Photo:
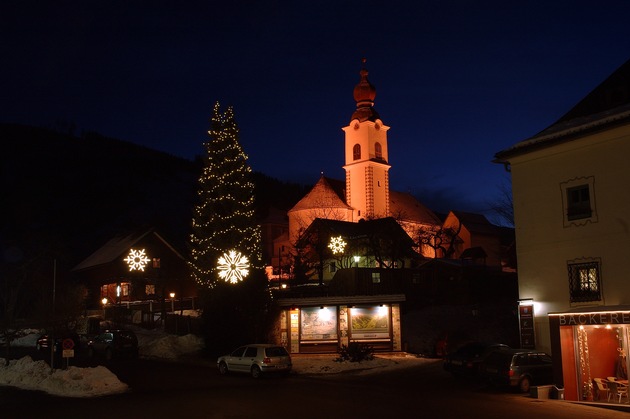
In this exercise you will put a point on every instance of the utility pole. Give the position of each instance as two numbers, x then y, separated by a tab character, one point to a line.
51	334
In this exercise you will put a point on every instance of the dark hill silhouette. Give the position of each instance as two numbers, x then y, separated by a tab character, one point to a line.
64	196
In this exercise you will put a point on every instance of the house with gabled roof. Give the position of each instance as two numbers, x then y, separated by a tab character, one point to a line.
135	267
477	240
572	211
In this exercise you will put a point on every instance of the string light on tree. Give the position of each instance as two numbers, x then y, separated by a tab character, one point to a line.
337	245
223	217
137	260
233	267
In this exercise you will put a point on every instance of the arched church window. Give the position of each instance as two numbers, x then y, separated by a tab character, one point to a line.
378	150
356	152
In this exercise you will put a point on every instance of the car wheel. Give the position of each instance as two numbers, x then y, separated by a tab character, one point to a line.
223	368
255	371
525	384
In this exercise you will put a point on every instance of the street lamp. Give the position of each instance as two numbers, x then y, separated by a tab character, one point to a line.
104	302
172	295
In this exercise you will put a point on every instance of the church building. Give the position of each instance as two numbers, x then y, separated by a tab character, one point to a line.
364	194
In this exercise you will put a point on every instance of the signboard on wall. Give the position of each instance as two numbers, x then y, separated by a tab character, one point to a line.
526	325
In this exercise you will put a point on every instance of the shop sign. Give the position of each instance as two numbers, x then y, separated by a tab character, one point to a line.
526	324
593	318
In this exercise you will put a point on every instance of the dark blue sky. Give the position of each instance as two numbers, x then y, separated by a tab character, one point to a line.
456	81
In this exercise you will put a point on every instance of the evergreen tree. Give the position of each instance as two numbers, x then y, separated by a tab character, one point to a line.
223	219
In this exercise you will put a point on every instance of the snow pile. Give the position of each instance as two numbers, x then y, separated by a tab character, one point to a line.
25	373
72	382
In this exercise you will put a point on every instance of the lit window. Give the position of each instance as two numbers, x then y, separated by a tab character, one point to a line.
378	150
356	152
376	277
149	289
584	281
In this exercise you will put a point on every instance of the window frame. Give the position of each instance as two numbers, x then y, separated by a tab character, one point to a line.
378	150
356	152
585	280
580	216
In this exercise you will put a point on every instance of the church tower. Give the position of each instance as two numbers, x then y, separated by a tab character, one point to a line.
367	170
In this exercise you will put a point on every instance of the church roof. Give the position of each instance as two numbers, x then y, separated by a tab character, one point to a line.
327	193
404	206
330	193
607	106
476	223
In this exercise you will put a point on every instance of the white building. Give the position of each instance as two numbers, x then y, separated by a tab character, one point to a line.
571	195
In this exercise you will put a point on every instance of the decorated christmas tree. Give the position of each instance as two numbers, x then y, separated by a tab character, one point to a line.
225	240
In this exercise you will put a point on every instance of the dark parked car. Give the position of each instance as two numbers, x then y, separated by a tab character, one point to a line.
256	359
43	342
113	344
517	368
467	358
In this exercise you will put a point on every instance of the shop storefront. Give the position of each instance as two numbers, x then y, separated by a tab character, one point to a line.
589	348
323	325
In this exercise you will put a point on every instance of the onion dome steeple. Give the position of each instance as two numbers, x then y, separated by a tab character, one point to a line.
364	94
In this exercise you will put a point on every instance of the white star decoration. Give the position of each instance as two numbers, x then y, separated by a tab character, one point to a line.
137	260
233	267
337	244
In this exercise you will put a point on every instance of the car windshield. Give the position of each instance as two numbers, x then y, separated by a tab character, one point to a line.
276	351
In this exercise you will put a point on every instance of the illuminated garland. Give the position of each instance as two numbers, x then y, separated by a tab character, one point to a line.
585	365
224	217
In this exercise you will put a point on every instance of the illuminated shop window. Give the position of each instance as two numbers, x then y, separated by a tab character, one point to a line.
318	323
370	322
584	281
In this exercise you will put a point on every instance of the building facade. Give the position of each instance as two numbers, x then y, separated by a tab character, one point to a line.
572	215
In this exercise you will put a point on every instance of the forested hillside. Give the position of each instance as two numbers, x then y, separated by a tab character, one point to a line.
64	196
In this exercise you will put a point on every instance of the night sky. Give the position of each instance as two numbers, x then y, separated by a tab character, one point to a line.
456	81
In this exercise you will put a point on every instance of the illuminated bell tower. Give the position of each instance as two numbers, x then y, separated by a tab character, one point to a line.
367	177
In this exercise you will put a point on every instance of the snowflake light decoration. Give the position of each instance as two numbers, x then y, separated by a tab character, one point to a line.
137	260
233	266
337	245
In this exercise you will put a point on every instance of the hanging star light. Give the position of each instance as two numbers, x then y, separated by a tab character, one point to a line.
233	266
337	245
137	260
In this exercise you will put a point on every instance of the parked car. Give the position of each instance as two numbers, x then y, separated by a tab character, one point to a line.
256	359
517	368
113	344
43	342
467	358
